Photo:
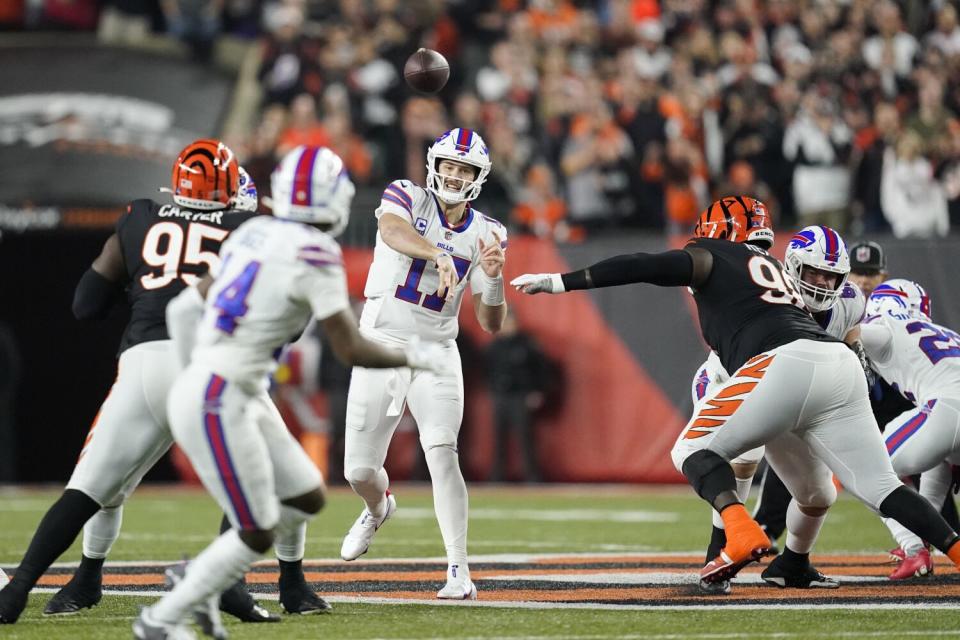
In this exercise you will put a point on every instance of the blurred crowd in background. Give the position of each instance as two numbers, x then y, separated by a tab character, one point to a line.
605	114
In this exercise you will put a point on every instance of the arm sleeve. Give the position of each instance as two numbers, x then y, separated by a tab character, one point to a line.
183	315
94	295
668	269
877	340
324	289
397	199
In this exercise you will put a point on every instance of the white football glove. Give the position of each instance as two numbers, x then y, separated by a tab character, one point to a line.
539	282
428	355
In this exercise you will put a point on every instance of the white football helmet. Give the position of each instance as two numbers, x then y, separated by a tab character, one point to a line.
817	247
900	298
311	185
458	145
246	197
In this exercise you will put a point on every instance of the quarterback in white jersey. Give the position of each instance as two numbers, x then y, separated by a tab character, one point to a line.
431	244
816	260
277	273
921	360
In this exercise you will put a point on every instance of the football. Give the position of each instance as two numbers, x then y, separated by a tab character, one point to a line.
426	71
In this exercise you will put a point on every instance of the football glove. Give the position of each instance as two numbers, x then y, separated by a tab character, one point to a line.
539	282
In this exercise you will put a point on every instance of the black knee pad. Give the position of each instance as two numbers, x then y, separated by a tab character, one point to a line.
712	478
310	502
260	540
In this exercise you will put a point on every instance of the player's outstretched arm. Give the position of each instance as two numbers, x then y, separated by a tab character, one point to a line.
490	304
676	268
101	284
353	350
403	238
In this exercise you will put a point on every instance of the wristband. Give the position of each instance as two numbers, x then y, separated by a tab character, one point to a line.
492	294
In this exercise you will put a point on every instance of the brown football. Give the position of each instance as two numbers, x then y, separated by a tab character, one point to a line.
426	71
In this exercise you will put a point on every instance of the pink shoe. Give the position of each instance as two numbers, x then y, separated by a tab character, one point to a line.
896	556
914	566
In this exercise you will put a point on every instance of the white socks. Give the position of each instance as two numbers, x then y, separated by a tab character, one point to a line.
101	531
449	502
216	568
291	539
802	530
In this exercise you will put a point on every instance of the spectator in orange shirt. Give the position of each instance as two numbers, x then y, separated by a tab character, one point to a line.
541	211
348	146
304	127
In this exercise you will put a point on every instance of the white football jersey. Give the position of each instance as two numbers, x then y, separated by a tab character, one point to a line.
838	320
915	356
400	290
274	276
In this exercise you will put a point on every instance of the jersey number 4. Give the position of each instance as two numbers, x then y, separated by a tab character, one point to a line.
166	248
779	289
409	291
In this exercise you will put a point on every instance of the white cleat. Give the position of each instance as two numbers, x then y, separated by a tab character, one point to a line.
459	585
3	579
146	628
358	539
206	613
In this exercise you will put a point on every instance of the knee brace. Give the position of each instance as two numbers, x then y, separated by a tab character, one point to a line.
438	437
712	478
360	475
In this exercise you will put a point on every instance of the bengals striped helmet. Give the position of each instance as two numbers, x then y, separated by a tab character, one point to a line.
205	175
737	219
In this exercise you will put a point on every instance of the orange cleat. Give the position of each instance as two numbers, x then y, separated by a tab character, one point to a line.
746	543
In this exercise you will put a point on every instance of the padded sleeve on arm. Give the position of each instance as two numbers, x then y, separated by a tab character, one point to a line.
94	296
668	269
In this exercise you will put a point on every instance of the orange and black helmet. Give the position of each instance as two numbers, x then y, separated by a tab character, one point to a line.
737	219
205	175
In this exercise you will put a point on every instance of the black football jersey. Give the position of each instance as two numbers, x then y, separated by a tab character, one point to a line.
165	248
749	305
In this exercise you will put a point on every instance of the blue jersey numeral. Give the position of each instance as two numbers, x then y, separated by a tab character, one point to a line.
232	301
942	344
409	291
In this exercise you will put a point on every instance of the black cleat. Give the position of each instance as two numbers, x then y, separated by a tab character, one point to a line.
72	598
12	604
238	602
301	599
784	574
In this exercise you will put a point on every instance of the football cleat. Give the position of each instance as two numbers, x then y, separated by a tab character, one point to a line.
205	613
746	543
459	585
916	566
3	579
72	598
721	588
12	604
797	576
146	628
301	599
897	555
358	539
238	602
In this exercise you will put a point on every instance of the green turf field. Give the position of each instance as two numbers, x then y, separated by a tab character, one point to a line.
163	525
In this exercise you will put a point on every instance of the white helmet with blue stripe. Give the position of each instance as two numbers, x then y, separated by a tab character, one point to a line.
311	185
458	145
817	247
246	196
900	298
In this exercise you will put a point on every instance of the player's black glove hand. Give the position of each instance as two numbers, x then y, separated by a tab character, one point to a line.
955	483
